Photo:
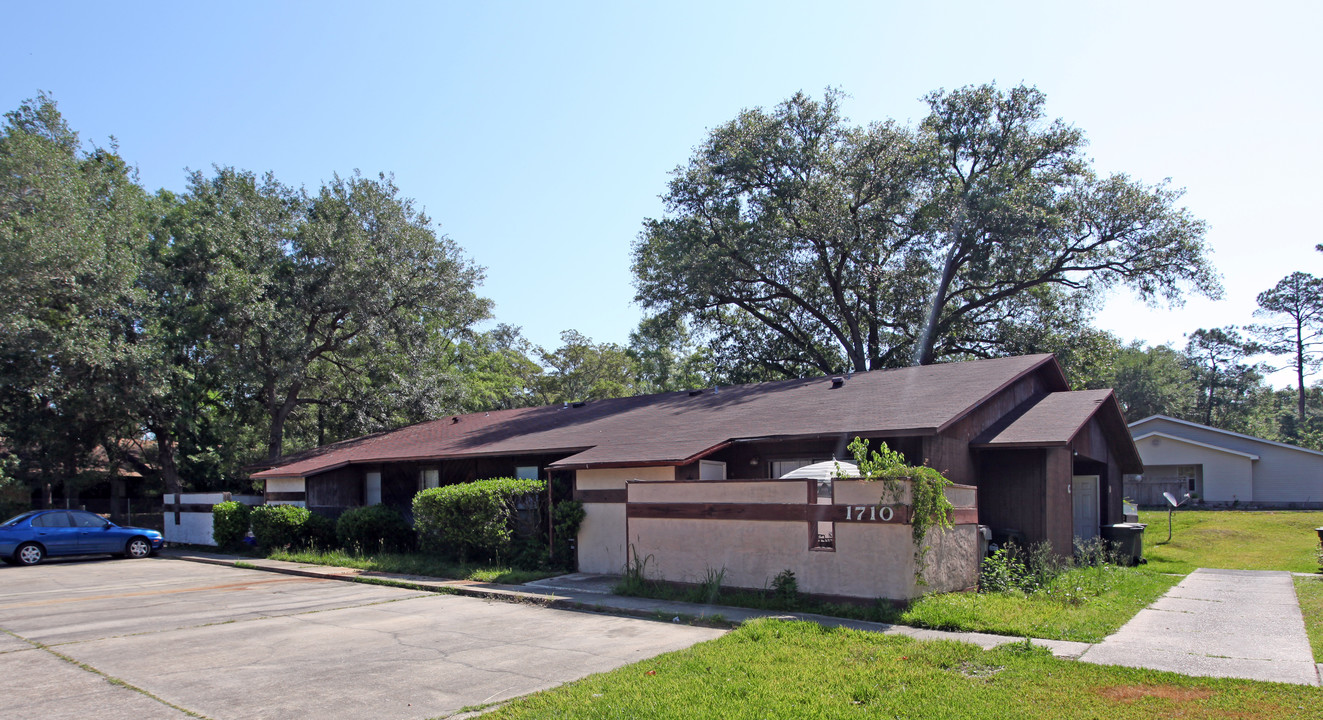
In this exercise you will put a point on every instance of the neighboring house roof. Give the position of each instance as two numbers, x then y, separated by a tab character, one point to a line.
1055	420
1187	441
1187	423
680	427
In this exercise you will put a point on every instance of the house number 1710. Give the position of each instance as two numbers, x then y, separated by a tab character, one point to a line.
869	513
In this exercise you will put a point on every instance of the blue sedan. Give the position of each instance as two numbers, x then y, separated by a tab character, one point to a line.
29	538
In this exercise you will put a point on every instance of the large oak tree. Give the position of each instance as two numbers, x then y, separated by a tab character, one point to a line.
800	242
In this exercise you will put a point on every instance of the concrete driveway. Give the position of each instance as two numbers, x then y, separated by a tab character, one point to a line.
155	638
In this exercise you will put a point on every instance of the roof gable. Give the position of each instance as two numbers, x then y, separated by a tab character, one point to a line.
1195	443
1219	431
1056	419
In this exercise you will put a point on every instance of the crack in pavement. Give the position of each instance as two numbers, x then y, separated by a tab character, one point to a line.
105	676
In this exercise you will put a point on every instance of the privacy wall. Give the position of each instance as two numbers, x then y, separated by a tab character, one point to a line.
847	545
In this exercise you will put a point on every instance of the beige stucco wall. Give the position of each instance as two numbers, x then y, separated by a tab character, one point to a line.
282	485
1226	477
602	543
871	560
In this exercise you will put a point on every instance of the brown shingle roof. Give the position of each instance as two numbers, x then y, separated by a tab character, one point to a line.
1052	420
673	428
1057	418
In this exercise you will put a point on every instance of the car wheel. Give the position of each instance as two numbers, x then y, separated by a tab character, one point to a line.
138	548
29	554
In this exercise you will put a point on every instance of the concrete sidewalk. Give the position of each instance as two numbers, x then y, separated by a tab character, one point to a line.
1218	623
592	593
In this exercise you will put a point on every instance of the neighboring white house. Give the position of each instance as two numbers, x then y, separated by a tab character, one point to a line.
1221	467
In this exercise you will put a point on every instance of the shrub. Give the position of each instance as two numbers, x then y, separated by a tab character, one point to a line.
471	519
318	531
278	526
1000	572
229	523
785	587
565	519
374	529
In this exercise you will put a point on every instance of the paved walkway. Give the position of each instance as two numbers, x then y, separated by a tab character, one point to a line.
1218	623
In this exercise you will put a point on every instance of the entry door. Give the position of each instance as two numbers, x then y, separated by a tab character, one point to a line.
1084	491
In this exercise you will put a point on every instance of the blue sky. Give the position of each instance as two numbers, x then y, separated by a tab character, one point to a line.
539	135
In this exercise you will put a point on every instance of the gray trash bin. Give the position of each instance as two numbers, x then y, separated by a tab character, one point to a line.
1128	538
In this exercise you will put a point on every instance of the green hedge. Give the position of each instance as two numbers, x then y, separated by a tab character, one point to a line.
318	531
279	526
374	529
229	523
471	520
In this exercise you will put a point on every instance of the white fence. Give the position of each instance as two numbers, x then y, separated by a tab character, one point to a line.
192	524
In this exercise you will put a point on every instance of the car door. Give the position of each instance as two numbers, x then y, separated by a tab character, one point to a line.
56	532
95	534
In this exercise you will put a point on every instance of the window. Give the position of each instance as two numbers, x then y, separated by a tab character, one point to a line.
372	488
781	467
825	536
711	470
52	520
526	472
430	478
1188	474
88	520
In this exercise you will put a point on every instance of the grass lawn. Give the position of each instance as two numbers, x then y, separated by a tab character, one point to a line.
1232	540
778	669
413	564
1309	591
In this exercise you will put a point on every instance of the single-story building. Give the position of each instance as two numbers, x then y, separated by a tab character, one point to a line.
1038	460
1222	467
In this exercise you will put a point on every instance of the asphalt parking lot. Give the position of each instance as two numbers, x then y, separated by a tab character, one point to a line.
159	638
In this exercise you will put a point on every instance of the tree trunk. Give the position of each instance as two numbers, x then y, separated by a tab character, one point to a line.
1300	373
923	355
166	452
275	439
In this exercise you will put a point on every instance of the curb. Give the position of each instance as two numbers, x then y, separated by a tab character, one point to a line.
732	618
518	597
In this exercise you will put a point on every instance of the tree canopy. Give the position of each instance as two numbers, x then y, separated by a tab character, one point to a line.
1294	307
805	243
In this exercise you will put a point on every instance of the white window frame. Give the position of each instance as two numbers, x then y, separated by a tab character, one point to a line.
711	470
429	478
372	487
527	472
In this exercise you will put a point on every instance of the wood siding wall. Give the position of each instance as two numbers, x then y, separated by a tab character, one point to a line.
400	481
1011	492
336	489
1059	512
949	451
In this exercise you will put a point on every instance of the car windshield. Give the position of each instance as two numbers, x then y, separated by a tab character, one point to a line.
17	519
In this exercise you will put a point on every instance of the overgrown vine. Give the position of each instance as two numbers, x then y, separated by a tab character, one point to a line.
929	507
